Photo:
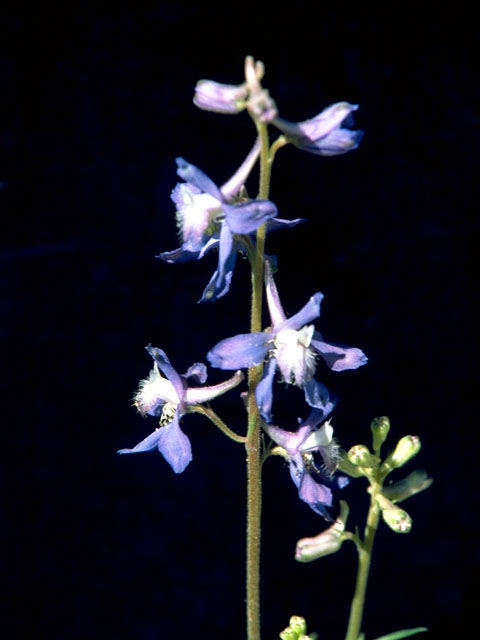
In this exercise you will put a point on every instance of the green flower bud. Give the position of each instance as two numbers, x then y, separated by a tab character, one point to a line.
407	447
288	634
414	483
298	624
348	467
360	456
397	519
327	542
380	428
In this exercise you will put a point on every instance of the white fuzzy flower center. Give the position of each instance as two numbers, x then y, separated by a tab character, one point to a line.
294	357
196	214
154	392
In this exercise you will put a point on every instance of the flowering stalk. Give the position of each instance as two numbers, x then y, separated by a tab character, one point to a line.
364	550
253	443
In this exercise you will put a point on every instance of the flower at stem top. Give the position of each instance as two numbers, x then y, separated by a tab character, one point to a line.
313	483
231	99
209	217
169	397
326	133
290	345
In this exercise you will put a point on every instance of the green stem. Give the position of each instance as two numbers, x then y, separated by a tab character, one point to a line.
364	561
253	441
212	416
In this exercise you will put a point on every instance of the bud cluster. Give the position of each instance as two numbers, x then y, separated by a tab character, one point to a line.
297	630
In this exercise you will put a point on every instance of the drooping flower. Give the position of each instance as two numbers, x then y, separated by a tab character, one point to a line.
314	483
209	217
291	345
326	133
169	397
231	99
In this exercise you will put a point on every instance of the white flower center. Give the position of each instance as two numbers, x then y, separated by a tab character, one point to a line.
196	214
318	438
154	392
295	359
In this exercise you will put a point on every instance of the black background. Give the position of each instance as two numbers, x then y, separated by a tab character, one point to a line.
96	104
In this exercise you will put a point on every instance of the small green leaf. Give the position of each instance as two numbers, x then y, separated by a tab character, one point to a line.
404	633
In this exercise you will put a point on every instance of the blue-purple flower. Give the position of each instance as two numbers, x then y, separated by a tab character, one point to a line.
290	345
314	484
169	397
231	99
326	134
209	217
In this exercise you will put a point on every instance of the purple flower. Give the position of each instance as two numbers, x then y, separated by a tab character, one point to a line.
210	217
313	483
231	99
219	97
324	134
291	345
169	397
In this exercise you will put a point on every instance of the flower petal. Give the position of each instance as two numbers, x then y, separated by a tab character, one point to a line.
220	282
166	368
277	314
291	441
316	395
219	97
192	174
307	313
240	352
149	443
279	223
174	445
246	217
263	391
337	142
319	126
338	357
317	496
198	371
185	252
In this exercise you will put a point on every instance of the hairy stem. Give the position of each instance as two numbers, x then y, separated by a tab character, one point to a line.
253	443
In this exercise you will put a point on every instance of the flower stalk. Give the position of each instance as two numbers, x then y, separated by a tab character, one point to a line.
253	443
364	549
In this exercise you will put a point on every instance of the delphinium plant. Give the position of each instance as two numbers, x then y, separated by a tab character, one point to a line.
289	350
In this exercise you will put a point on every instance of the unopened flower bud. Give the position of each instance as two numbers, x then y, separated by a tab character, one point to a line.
380	428
298	624
348	467
218	97
360	456
327	542
289	634
407	447
414	483
397	519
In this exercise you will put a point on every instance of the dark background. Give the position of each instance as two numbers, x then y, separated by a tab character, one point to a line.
96	104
